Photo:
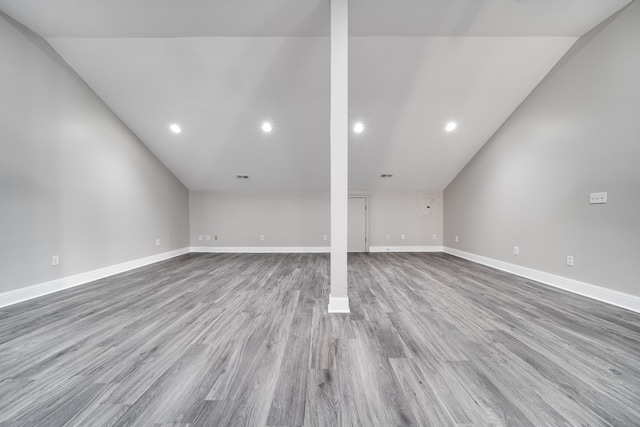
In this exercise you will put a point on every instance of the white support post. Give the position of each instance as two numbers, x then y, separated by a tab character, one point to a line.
338	299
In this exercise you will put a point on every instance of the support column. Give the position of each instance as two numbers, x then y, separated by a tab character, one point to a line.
339	300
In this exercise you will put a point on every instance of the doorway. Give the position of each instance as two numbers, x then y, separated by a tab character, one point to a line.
357	225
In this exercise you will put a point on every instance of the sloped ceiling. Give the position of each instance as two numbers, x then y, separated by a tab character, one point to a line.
220	68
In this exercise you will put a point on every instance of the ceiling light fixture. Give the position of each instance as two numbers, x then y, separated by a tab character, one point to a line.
266	127
175	128
358	127
451	126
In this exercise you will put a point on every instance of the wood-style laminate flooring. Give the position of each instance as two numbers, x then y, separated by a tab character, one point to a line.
245	340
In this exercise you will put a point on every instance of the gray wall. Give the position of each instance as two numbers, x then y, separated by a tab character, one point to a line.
578	132
396	213
288	219
74	181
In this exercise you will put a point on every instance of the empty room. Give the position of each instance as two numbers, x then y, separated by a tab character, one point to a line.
319	213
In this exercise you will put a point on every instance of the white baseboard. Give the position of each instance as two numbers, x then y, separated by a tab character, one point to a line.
262	249
339	305
34	291
405	249
620	299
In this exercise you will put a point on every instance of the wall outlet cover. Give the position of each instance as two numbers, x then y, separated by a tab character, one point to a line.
598	198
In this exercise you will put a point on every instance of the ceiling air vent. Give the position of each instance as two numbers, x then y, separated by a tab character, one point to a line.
242	176
386	175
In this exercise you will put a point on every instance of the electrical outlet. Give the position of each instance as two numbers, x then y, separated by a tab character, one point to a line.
208	237
200	237
457	239
215	237
55	260
402	236
516	250
434	237
325	237
262	237
388	237
598	198
570	260
157	242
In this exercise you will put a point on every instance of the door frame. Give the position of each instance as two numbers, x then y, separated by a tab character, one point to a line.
366	219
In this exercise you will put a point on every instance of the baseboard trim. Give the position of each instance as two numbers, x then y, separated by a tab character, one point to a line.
375	249
339	305
619	299
262	249
45	288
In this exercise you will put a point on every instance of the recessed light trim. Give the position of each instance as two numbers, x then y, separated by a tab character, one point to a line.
451	126
175	128
358	127
267	127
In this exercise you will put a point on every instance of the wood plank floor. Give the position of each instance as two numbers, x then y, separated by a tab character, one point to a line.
228	339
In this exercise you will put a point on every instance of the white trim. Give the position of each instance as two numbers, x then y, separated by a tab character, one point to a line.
405	249
34	291
339	305
262	249
366	222
620	299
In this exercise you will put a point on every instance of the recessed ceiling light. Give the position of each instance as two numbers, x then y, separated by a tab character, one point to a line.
451	126
175	128
266	127
358	127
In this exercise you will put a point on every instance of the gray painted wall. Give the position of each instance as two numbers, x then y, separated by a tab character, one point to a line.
238	219
288	219
578	132
74	181
396	213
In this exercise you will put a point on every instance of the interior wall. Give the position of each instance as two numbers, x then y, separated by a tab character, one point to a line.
288	219
74	181
578	132
238	219
394	214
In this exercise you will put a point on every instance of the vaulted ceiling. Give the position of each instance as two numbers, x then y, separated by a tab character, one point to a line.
219	68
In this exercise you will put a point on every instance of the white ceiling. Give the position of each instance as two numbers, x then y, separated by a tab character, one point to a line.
219	68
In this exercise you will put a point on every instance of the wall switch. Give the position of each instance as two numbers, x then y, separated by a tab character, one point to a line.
157	242
262	237
434	237
402	236
516	250
325	237
456	238
200	237
208	236
597	198
570	260
55	260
